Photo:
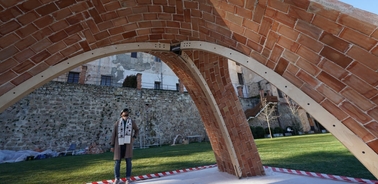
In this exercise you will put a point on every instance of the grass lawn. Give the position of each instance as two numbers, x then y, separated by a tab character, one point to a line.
317	153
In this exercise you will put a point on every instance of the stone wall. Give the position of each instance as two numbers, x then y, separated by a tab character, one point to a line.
58	114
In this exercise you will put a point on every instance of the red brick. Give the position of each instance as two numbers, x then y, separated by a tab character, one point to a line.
272	39
29	5
57	26
21	78
79	7
360	86
366	74
6	87
288	44
41	34
278	5
290	56
354	112
357	99
251	25
288	32
57	47
327	25
310	43
112	6
72	39
292	69
357	24
58	36
74	29
55	59
24	55
40	56
373	145
7	76
253	45
28	17
336	56
364	57
265	26
62	14
8	52
373	127
129	34
334	110
64	3
358	38
38	69
330	94
47	9
309	55
308	67
331	81
319	9
258	57
252	36
96	17
9	14
358	129
7	64
310	80
26	31
9	27
375	99
276	53
281	66
41	45
303	4
374	113
332	68
285	19
308	29
70	50
312	93
334	42
300	14
9	39
245	13
375	51
22	67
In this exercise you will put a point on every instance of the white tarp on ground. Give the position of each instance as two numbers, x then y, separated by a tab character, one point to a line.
8	156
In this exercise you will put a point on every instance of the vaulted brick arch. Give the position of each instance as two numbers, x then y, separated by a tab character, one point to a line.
324	51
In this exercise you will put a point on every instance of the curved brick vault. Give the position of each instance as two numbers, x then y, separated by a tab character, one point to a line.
324	54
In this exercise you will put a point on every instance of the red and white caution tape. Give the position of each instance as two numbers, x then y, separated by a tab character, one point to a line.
321	175
157	175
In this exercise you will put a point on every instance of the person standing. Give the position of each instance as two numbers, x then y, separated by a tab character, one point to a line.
125	131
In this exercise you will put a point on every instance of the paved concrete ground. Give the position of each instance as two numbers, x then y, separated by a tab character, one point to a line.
213	176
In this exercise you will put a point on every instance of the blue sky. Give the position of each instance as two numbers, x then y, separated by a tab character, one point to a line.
368	5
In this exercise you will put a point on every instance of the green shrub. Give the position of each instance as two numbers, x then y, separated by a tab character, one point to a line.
259	131
278	130
130	81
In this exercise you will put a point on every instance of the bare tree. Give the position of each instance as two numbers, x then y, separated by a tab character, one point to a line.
294	109
268	112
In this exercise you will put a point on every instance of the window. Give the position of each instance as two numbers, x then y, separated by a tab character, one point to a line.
73	77
106	80
157	85
157	59
240	77
134	54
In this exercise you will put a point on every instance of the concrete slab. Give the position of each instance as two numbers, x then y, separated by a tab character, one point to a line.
214	176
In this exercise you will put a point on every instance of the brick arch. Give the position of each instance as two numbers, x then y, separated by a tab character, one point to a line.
327	50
